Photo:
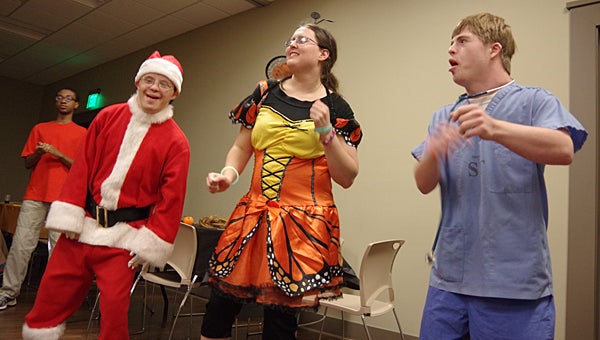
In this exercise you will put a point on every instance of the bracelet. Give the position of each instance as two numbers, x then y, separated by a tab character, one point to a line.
329	139
323	129
237	174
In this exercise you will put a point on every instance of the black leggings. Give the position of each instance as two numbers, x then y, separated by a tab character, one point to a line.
221	312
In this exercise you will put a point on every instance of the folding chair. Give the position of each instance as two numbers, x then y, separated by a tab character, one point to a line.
182	262
375	278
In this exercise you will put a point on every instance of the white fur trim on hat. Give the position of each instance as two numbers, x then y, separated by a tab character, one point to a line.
164	66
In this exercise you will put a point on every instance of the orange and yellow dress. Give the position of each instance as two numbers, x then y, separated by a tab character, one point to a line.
282	240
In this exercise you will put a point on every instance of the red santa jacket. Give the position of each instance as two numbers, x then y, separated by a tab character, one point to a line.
129	159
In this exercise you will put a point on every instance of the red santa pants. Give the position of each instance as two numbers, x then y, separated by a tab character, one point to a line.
67	280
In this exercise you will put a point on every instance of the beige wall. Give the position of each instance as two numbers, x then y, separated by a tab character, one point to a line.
20	105
393	70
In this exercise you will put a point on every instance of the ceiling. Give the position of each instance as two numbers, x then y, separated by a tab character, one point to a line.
43	41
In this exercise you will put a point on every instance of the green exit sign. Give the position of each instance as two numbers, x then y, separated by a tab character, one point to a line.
94	99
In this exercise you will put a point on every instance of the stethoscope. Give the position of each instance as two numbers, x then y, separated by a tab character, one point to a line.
429	257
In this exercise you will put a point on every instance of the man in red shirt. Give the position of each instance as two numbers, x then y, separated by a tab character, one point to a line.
49	152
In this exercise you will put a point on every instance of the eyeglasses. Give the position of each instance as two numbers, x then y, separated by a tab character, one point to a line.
66	98
162	84
300	40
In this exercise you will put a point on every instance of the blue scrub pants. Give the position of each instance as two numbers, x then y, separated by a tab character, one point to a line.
451	316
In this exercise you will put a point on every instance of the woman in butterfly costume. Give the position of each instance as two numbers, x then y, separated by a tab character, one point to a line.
281	244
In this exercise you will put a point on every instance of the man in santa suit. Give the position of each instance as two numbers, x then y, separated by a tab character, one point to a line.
120	206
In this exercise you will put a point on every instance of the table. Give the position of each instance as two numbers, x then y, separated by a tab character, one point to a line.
207	240
3	249
9	213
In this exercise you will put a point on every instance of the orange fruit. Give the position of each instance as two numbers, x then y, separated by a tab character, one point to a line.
188	220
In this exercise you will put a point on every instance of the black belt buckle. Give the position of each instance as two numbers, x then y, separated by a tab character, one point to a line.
102	214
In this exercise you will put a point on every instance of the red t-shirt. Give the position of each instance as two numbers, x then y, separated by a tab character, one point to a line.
49	173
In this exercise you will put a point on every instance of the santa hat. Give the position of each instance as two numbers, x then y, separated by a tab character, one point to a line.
167	66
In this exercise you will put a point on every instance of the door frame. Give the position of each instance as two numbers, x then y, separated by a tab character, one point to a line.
583	275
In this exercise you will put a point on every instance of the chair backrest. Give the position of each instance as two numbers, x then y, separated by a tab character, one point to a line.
376	270
184	252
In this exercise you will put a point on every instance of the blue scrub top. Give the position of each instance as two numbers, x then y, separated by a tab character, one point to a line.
493	240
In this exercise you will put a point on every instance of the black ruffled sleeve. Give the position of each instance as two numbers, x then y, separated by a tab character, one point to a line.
245	112
344	122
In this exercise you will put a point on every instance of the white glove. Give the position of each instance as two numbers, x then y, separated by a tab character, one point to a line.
135	261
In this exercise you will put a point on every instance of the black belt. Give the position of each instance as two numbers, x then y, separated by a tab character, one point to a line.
108	218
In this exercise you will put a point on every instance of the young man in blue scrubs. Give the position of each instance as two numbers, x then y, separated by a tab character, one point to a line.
491	276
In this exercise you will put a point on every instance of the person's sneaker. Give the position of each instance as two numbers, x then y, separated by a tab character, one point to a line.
5	301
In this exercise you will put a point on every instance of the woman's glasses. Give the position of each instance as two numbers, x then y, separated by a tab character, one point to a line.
300	40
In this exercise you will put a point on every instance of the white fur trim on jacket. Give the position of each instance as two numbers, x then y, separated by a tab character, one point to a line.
68	217
143	241
52	333
65	217
134	135
149	118
151	248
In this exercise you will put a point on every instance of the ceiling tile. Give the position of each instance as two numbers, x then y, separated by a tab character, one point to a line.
8	6
230	6
43	41
159	30
200	14
59	71
131	11
50	15
168	6
114	49
87	38
106	23
11	43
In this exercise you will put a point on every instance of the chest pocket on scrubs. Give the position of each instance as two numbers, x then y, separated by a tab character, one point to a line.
509	172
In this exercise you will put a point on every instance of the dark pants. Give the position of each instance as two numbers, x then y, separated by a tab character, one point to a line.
221	312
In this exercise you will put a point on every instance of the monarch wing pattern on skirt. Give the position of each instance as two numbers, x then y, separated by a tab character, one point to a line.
232	252
284	268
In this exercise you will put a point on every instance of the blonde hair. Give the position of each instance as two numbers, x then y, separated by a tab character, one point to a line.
490	29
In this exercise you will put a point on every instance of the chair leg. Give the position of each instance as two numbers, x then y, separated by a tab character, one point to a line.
398	323
179	310
323	322
365	325
144	306
343	327
187	293
191	312
137	279
87	333
236	328
135	283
